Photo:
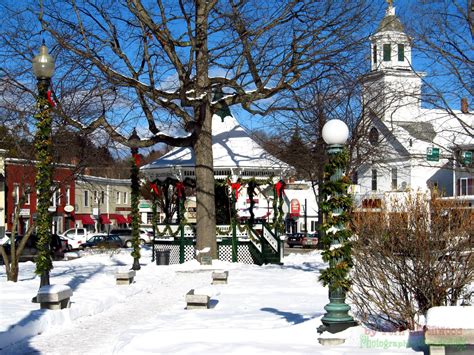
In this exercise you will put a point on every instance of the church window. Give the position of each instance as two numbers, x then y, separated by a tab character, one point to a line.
387	52
374	54
401	52
374	136
394	179
374	179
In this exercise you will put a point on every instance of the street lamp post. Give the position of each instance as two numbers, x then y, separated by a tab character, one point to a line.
134	170
337	249
43	68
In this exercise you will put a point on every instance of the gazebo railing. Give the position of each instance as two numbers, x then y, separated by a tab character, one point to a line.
265	243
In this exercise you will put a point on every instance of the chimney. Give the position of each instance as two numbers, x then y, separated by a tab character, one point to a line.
464	105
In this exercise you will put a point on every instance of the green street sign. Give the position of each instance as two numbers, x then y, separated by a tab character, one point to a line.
467	157
144	205
432	154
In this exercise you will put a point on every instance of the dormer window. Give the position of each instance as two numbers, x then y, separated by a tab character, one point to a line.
387	52
401	52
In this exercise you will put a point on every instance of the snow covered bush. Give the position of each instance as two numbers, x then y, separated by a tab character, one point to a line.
411	254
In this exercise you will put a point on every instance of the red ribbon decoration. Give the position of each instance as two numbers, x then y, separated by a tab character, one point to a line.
235	186
50	100
155	189
137	158
279	187
179	189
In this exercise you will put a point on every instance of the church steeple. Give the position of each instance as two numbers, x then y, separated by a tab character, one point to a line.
390	46
392	89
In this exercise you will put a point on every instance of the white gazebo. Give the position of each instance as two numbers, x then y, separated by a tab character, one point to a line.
236	155
238	158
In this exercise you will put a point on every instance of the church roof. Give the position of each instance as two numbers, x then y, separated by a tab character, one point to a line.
390	23
234	152
423	131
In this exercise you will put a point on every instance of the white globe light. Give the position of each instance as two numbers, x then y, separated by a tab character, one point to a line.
43	64
335	132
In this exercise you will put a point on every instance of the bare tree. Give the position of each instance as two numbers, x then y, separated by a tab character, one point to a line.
11	257
444	41
156	66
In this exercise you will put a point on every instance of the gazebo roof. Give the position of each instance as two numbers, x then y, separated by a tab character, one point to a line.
235	154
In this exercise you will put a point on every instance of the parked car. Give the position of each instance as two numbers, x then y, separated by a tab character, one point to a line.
76	236
102	241
58	247
303	240
125	234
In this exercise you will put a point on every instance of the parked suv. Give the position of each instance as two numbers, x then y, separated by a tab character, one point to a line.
125	234
301	239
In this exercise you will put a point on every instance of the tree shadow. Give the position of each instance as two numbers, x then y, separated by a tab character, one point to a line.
290	317
306	266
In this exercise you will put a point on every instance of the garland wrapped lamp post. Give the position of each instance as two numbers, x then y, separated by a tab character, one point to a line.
134	170
43	68
155	193
337	248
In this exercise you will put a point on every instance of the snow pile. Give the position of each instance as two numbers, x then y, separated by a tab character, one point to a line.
459	317
273	309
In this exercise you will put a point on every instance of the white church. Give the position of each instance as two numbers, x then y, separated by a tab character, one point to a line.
408	147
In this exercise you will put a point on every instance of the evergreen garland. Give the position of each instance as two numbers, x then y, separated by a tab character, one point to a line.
336	207
44	180
135	186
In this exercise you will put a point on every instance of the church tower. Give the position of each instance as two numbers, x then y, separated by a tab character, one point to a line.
392	89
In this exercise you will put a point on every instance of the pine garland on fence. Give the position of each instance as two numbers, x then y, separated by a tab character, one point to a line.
336	207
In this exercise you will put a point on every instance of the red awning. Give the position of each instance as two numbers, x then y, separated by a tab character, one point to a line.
104	219
129	218
120	218
85	218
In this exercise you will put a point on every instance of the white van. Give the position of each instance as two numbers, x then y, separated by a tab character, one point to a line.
76	236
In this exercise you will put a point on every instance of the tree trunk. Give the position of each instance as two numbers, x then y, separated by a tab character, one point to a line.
205	195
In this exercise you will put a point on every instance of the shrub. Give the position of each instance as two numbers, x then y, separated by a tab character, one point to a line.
410	255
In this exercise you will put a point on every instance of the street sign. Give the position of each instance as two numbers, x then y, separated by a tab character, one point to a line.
467	158
432	154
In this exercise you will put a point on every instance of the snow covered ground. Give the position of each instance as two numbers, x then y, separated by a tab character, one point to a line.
262	310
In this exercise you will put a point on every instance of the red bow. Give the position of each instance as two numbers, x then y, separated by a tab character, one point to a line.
235	186
50	100
279	187
155	189
137	158
179	189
